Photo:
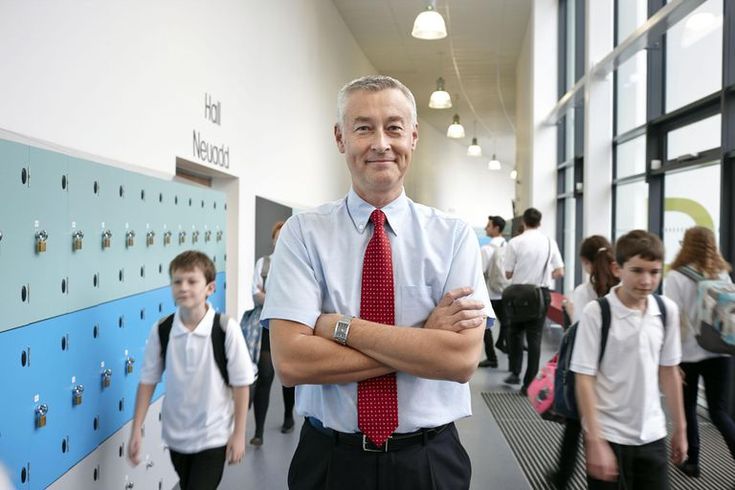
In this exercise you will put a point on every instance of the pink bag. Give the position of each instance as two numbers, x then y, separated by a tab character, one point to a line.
541	389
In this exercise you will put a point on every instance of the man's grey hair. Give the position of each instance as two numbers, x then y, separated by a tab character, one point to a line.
372	83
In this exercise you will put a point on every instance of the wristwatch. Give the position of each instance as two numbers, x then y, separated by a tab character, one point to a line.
342	329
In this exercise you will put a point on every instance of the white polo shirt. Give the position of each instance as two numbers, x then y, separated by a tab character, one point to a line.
198	407
582	294
683	292
487	252
527	255
627	383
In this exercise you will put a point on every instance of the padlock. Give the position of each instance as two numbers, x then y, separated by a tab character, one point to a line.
129	238
149	238
106	239
106	378
195	236
76	395
129	365
41	237
182	237
219	235
76	240
41	412
167	238
207	236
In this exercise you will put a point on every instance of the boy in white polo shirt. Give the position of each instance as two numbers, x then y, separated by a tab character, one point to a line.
619	399
199	407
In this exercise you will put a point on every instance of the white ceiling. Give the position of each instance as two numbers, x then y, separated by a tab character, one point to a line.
484	41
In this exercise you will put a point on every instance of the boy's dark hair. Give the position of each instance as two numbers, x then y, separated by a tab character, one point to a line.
532	217
497	221
638	242
193	259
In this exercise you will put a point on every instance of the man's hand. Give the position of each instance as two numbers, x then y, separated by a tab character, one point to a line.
456	312
235	448
134	447
679	447
601	462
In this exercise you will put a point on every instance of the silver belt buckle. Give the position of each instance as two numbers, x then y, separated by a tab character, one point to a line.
365	442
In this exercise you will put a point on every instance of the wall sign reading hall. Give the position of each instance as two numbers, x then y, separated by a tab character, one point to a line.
207	151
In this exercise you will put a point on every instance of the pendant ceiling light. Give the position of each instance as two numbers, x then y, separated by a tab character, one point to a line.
514	174
440	98
474	150
493	164
455	130
429	25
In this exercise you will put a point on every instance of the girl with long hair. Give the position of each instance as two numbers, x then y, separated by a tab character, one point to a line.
699	252
598	261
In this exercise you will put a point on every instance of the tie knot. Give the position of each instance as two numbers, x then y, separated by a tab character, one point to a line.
378	218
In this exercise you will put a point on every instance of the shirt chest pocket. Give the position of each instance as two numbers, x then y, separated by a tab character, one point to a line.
414	305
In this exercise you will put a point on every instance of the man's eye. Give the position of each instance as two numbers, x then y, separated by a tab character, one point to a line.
395	129
362	129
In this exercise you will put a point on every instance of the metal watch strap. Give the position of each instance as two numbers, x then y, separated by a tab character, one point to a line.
342	329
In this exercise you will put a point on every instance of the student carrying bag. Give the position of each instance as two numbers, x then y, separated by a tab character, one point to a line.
525	302
565	400
714	323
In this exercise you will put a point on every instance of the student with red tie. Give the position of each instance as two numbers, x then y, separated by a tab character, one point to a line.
376	308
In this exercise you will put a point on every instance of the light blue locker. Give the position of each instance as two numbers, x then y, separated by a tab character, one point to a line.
14	168
85	216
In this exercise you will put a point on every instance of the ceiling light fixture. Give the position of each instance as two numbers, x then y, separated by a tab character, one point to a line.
429	25
440	98
474	150
455	130
514	174
494	164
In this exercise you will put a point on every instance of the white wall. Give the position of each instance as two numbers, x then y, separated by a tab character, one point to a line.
123	83
524	125
444	177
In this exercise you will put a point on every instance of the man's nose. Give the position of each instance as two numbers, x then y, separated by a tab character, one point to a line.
380	142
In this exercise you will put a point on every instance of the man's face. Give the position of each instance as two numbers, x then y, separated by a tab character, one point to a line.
377	138
190	288
639	278
491	230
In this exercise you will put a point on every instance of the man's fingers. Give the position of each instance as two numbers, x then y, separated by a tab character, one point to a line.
453	295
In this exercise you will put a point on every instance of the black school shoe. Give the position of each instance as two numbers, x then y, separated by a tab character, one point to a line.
689	469
492	363
287	426
513	379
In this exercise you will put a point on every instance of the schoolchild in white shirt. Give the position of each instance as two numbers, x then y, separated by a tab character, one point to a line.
619	399
203	419
699	252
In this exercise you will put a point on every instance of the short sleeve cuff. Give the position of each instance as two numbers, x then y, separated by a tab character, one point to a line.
293	315
589	371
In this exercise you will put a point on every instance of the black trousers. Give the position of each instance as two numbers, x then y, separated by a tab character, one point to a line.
568	453
640	467
501	322
199	471
261	389
533	330
322	463
717	375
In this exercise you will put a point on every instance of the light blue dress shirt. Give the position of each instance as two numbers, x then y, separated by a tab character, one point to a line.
317	268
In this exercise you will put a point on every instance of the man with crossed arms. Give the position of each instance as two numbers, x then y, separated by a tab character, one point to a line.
347	282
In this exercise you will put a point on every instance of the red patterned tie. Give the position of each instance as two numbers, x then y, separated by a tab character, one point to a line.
377	398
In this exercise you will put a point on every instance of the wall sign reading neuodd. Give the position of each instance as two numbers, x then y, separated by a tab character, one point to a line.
206	150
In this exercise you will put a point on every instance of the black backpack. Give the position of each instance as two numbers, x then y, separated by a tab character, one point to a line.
218	341
565	400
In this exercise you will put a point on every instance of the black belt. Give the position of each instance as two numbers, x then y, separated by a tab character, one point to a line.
393	443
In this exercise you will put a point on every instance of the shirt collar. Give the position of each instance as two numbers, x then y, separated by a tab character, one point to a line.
622	311
360	210
203	328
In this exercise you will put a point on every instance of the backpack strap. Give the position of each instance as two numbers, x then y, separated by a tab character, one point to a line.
690	273
164	332
605	329
662	307
218	345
